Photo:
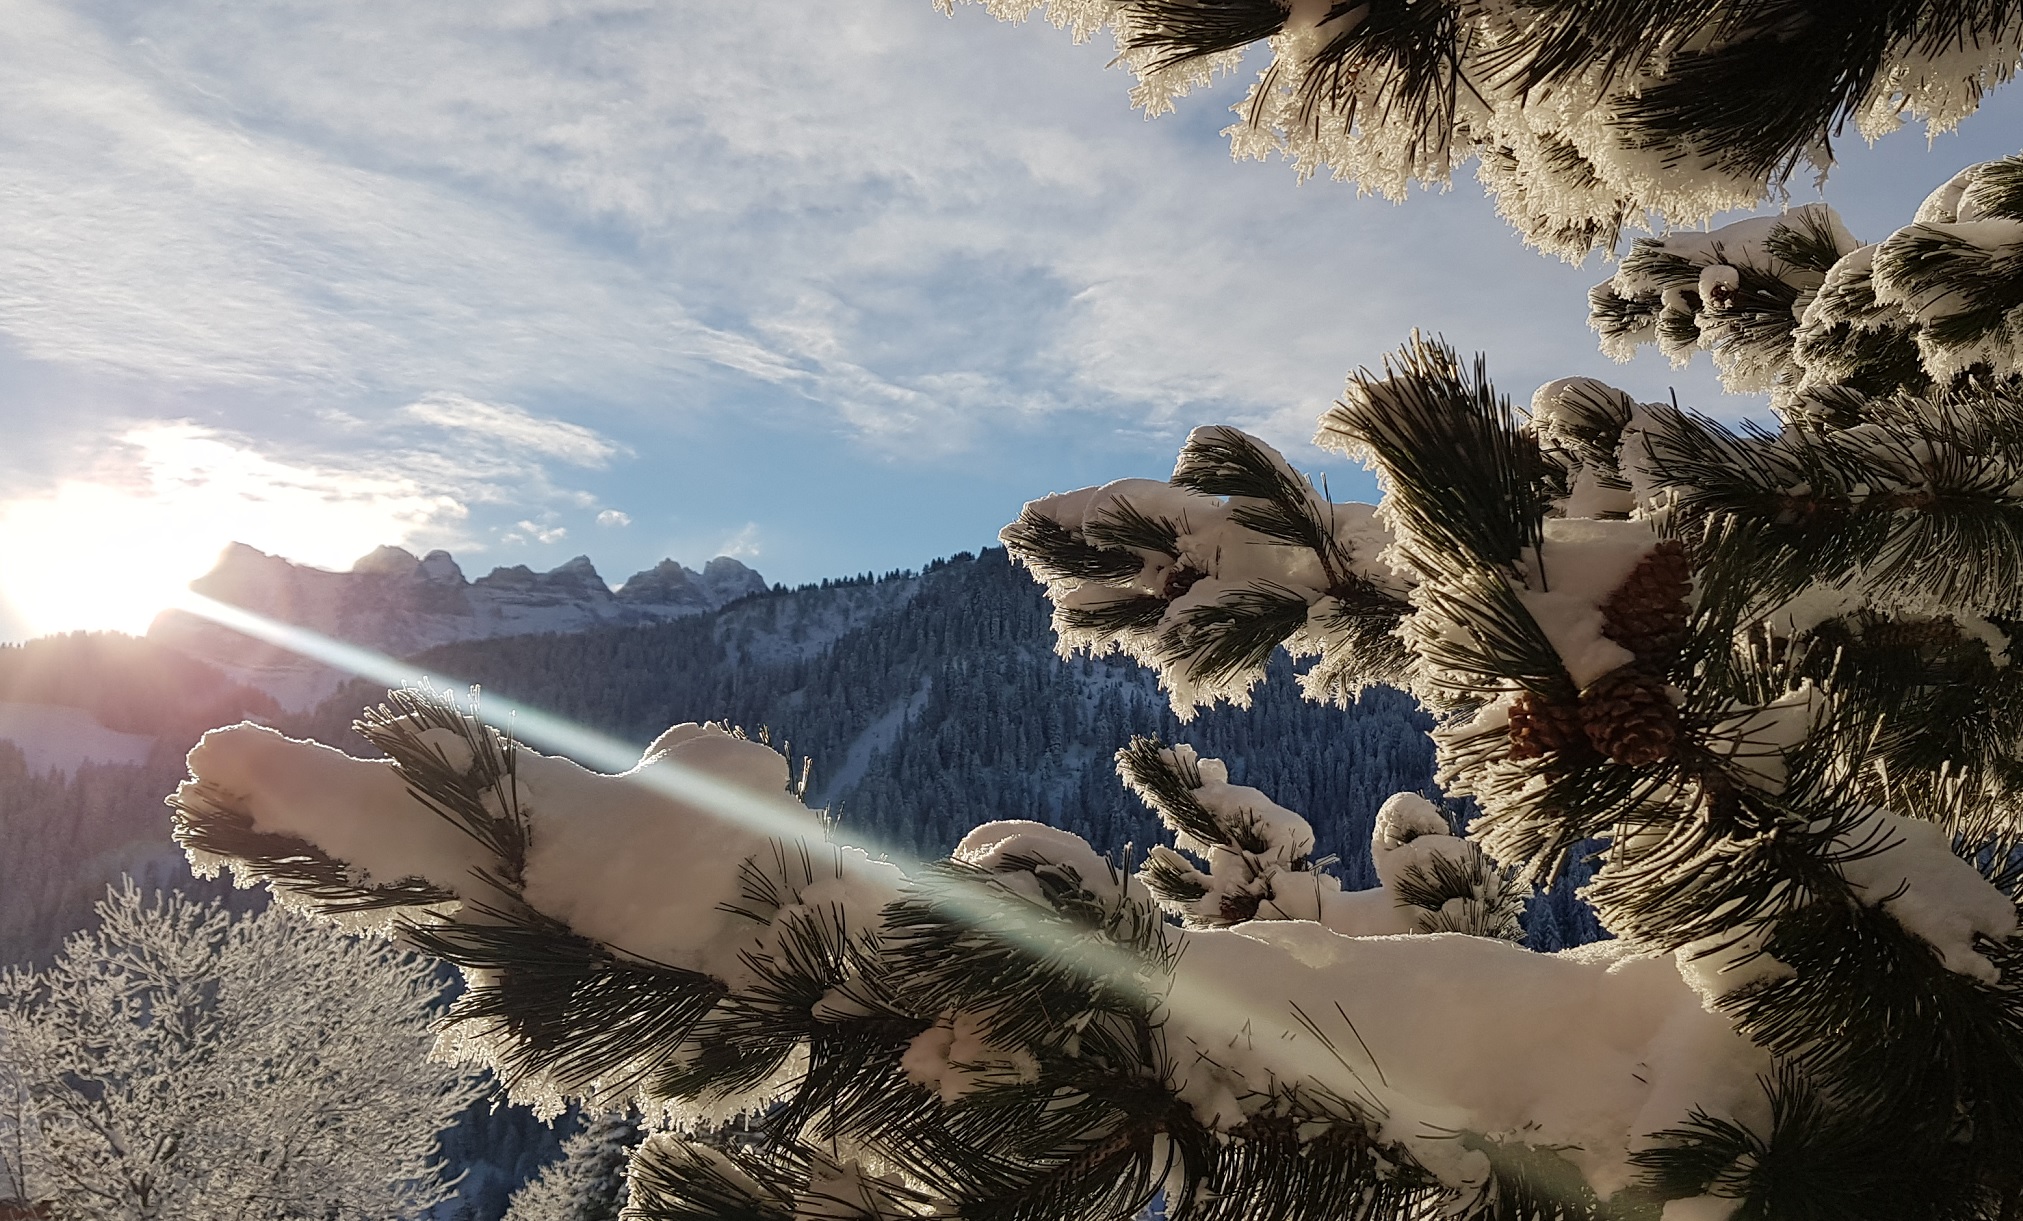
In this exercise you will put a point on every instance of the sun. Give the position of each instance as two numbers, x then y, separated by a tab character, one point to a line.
112	553
93	558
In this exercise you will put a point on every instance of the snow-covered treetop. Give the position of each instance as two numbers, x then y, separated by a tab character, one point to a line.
179	1063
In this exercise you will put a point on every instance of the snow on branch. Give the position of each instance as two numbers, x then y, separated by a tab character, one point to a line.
1026	971
1795	305
1203	576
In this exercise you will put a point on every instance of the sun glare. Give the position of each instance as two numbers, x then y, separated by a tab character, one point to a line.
96	557
111	553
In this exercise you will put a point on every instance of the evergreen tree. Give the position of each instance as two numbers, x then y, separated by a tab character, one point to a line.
1762	677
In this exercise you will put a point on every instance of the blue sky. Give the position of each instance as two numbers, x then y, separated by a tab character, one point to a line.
828	286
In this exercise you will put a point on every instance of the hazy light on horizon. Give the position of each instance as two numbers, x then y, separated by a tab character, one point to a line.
109	554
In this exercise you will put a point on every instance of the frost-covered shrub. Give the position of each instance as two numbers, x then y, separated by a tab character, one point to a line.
178	1063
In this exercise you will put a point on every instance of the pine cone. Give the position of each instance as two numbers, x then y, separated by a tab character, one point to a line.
1647	613
1629	718
1179	580
1538	728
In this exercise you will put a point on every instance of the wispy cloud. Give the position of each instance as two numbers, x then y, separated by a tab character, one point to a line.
108	544
110	550
539	532
502	425
374	198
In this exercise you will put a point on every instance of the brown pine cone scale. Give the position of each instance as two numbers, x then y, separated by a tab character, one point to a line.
1629	717
1647	613
1538	728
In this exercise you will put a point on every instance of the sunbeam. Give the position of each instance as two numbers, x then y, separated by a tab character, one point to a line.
1211	1006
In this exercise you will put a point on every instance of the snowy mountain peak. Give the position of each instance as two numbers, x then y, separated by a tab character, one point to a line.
393	561
667	583
394	603
439	567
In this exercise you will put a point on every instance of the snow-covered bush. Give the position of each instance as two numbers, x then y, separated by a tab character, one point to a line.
178	1063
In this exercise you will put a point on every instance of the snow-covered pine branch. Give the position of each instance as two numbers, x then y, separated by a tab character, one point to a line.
1256	859
1584	117
177	1063
1203	576
1770	671
907	1020
1796	306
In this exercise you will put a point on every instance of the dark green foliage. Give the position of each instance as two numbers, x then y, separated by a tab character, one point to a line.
1872	1032
1933	263
1923	509
1180	30
1236	633
1168	787
477	794
1411	48
1791	77
573	1007
1529	1183
1816	1163
1266	496
676	1180
1056	554
1123	524
1140	613
299	867
1458	469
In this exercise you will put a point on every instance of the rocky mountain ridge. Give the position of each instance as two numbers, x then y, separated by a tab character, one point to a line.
395	603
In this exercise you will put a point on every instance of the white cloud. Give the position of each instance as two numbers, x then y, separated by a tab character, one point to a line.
914	224
108	542
614	517
462	248
504	425
536	532
742	544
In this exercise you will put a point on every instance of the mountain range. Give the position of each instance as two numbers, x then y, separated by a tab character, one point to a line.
393	603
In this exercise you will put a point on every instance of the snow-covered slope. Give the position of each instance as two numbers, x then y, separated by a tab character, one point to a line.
397	604
55	737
